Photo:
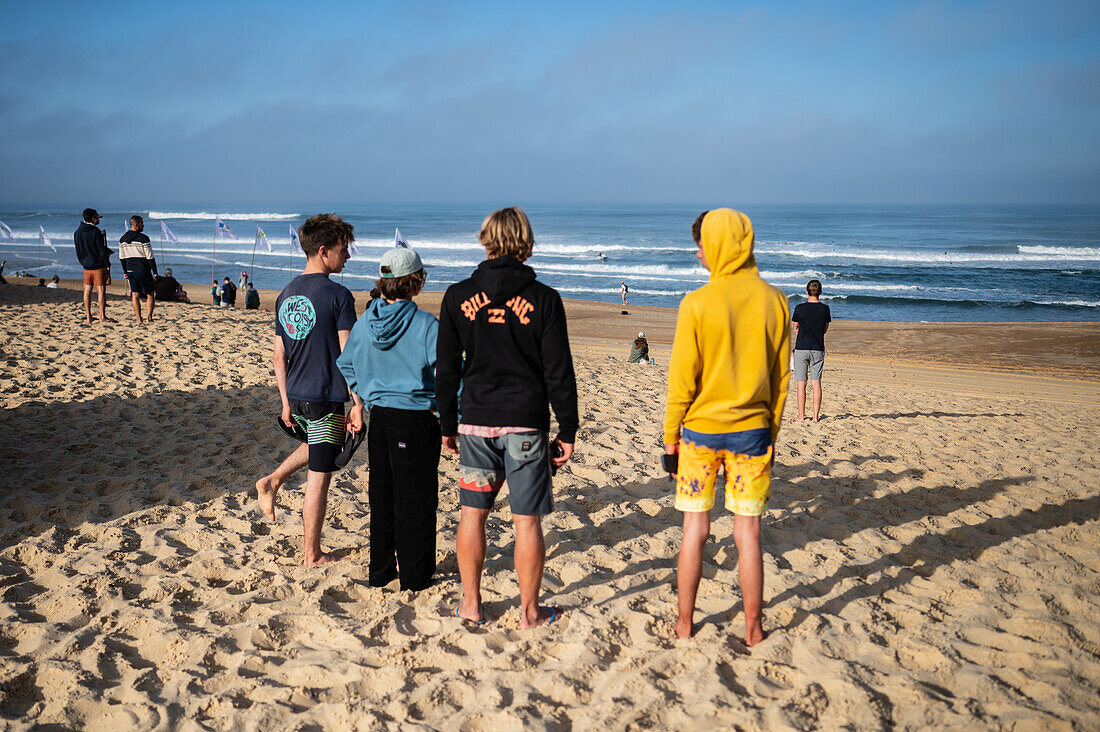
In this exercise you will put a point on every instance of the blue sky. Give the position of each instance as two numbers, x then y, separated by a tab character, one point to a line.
281	102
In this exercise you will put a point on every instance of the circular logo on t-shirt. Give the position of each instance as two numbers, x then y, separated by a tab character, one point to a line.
297	316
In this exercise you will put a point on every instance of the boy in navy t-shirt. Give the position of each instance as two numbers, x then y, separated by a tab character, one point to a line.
811	320
313	318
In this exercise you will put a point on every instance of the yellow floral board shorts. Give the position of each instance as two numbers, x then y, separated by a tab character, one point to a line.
747	459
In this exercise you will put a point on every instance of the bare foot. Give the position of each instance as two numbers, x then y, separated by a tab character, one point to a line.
107	320
323	558
754	636
266	488
684	628
543	616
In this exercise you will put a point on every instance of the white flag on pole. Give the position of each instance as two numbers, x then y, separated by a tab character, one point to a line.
398	240
295	245
221	231
43	239
5	231
166	235
261	238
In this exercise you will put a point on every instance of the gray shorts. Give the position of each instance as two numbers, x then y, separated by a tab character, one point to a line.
811	361
520	458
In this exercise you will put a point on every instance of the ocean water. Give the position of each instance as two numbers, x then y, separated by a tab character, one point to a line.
892	263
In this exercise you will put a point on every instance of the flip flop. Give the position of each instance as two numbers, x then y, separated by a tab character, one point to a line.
295	432
468	620
553	615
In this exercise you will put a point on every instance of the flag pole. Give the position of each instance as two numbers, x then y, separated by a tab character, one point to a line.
213	246
252	267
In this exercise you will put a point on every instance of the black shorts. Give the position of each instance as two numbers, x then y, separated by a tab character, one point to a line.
141	282
323	423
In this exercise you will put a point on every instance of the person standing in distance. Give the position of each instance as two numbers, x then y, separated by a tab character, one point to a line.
94	256
512	331
139	266
810	321
727	383
313	318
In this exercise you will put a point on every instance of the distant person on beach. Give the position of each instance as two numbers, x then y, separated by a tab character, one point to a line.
139	267
215	298
54	282
512	331
639	350
2	280
227	294
623	289
166	287
727	383
252	298
95	258
313	318
810	321
242	281
389	361
41	281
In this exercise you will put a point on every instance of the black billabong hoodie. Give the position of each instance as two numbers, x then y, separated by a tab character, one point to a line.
512	331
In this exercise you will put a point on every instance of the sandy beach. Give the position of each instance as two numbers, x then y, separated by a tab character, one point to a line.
932	548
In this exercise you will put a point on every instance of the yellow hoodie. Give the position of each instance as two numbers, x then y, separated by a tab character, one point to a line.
730	357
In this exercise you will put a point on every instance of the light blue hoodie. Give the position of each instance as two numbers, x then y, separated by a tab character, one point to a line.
389	359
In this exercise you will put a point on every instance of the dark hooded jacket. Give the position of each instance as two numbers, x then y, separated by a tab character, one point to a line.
512	331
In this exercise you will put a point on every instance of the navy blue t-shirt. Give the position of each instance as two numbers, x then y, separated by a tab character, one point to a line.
308	315
811	318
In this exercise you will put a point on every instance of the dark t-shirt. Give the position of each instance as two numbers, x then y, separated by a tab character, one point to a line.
165	288
308	315
811	318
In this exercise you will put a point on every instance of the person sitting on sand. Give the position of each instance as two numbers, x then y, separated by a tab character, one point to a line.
727	383
313	318
512	331
166	287
54	282
252	298
389	361
639	350
810	321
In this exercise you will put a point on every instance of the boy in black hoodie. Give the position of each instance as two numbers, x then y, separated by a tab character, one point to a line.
517	360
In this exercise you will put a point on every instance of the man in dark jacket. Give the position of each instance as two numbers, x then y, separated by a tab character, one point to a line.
95	258
517	361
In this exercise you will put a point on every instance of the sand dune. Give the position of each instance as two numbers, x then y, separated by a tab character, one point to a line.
932	555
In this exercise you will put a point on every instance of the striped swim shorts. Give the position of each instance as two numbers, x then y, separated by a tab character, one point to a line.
323	423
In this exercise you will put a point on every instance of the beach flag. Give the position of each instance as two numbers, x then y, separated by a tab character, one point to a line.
353	248
5	231
222	231
261	238
43	239
295	245
398	240
166	235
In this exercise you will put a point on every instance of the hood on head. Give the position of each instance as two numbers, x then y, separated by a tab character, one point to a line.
388	322
727	240
502	277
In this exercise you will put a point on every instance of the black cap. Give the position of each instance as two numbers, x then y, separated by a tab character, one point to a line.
90	213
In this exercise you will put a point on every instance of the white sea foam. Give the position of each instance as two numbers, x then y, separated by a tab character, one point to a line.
923	257
1073	303
1068	252
226	216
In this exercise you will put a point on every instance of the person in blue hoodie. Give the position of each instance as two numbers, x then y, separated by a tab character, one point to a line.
389	362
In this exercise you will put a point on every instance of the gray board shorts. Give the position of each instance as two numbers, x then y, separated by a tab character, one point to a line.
811	361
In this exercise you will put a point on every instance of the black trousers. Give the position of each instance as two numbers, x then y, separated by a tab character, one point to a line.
403	448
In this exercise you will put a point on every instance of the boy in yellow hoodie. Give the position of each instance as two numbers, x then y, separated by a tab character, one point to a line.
727	383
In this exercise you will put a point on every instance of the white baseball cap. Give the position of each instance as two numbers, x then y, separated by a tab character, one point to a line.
400	261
